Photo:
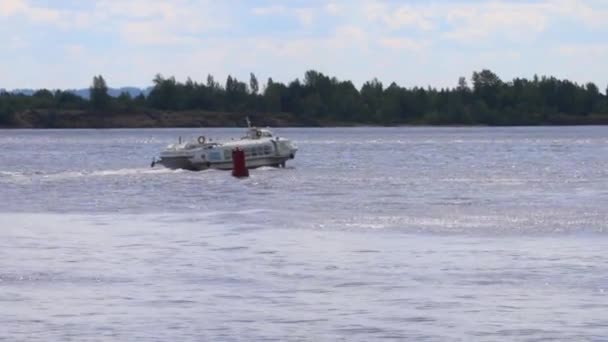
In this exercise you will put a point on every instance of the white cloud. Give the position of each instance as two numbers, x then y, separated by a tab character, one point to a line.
512	21
404	44
409	41
470	22
147	21
333	8
270	10
33	13
75	50
17	42
409	16
156	22
11	7
305	15
152	33
584	51
351	33
591	13
137	9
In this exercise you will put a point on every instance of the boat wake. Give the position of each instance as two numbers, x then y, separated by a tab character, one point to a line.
25	177
129	172
17	177
272	168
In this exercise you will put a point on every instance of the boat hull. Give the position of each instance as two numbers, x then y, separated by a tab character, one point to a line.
176	163
186	163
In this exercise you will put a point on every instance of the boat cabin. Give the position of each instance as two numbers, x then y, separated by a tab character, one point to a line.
257	133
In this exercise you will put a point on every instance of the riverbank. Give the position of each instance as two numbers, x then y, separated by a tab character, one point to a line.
143	119
169	119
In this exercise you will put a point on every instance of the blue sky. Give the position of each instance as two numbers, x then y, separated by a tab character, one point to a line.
63	43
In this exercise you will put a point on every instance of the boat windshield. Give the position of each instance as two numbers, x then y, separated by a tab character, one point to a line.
256	133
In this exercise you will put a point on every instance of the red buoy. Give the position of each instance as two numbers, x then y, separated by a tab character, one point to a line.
239	169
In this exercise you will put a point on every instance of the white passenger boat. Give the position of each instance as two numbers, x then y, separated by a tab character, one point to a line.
260	146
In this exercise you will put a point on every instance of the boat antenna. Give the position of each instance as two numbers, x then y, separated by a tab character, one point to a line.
248	122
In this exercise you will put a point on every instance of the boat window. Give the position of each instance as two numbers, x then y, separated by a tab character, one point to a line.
227	154
267	149
215	156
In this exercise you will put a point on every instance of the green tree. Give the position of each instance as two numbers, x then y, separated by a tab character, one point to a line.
43	94
236	94
211	83
164	94
6	109
253	84
463	86
43	98
139	100
68	100
371	97
592	97
125	101
99	93
272	96
486	85
489	100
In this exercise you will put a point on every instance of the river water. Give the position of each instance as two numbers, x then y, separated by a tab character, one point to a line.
422	234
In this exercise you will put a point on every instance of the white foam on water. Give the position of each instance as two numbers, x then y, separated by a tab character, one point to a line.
108	173
14	177
129	172
11	174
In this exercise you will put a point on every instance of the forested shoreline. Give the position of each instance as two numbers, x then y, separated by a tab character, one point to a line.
316	100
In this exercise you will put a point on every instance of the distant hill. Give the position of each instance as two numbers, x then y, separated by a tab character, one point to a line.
115	92
27	92
84	92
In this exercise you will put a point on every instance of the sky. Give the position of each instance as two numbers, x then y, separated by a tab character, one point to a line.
64	43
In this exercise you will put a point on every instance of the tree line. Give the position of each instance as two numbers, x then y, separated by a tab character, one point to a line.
488	100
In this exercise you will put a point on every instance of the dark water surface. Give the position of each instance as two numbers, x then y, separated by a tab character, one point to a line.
423	234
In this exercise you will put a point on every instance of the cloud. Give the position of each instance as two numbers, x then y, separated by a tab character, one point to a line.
152	33
17	42
404	44
347	37
470	22
11	7
137	9
305	15
413	41
404	16
33	13
350	34
512	21
408	16
75	50
333	8
270	10
584	51
168	20
591	13
155	22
